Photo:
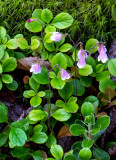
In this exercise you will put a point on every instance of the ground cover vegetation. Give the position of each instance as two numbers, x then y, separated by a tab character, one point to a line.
67	87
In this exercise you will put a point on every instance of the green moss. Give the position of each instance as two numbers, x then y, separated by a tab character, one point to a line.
93	18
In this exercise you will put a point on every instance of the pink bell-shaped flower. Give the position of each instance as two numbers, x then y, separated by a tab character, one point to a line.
81	56
102	53
35	68
64	74
56	36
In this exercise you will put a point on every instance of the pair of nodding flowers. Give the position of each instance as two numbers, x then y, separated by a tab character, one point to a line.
36	68
82	55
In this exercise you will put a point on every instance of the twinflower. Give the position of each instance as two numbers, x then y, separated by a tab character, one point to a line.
64	74
35	68
81	56
102	53
56	36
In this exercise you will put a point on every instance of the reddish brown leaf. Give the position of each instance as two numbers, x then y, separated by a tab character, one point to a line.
25	79
109	92
64	131
113	103
101	114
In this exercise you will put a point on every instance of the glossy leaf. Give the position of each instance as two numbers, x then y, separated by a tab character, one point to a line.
61	115
57	151
77	130
87	108
62	20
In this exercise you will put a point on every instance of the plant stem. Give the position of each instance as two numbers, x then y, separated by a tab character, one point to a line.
49	107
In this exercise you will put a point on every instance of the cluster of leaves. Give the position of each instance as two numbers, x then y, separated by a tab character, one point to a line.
92	18
38	126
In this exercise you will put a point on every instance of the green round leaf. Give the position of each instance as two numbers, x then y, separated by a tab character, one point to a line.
4	136
0	68
87	70
85	154
57	83
112	66
62	20
34	26
46	15
20	152
91	61
50	29
39	155
35	44
99	68
22	43
38	128
70	157
57	151
86	81
59	59
103	121
9	64
69	61
3	113
94	100
51	140
87	108
41	94
39	138
80	88
6	78
90	44
33	84
77	130
71	107
61	115
50	46
67	91
103	75
65	47
105	83
17	136
87	143
1	52
29	93
42	77
100	154
37	14
12	44
47	38
37	115
35	101
2	32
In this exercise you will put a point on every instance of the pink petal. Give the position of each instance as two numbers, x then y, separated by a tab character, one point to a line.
81	63
82	54
35	68
102	54
64	74
56	36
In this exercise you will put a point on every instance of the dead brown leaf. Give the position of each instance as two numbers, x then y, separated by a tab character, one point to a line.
64	131
26	63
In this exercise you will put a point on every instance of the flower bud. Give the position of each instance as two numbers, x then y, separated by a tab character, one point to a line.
56	36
